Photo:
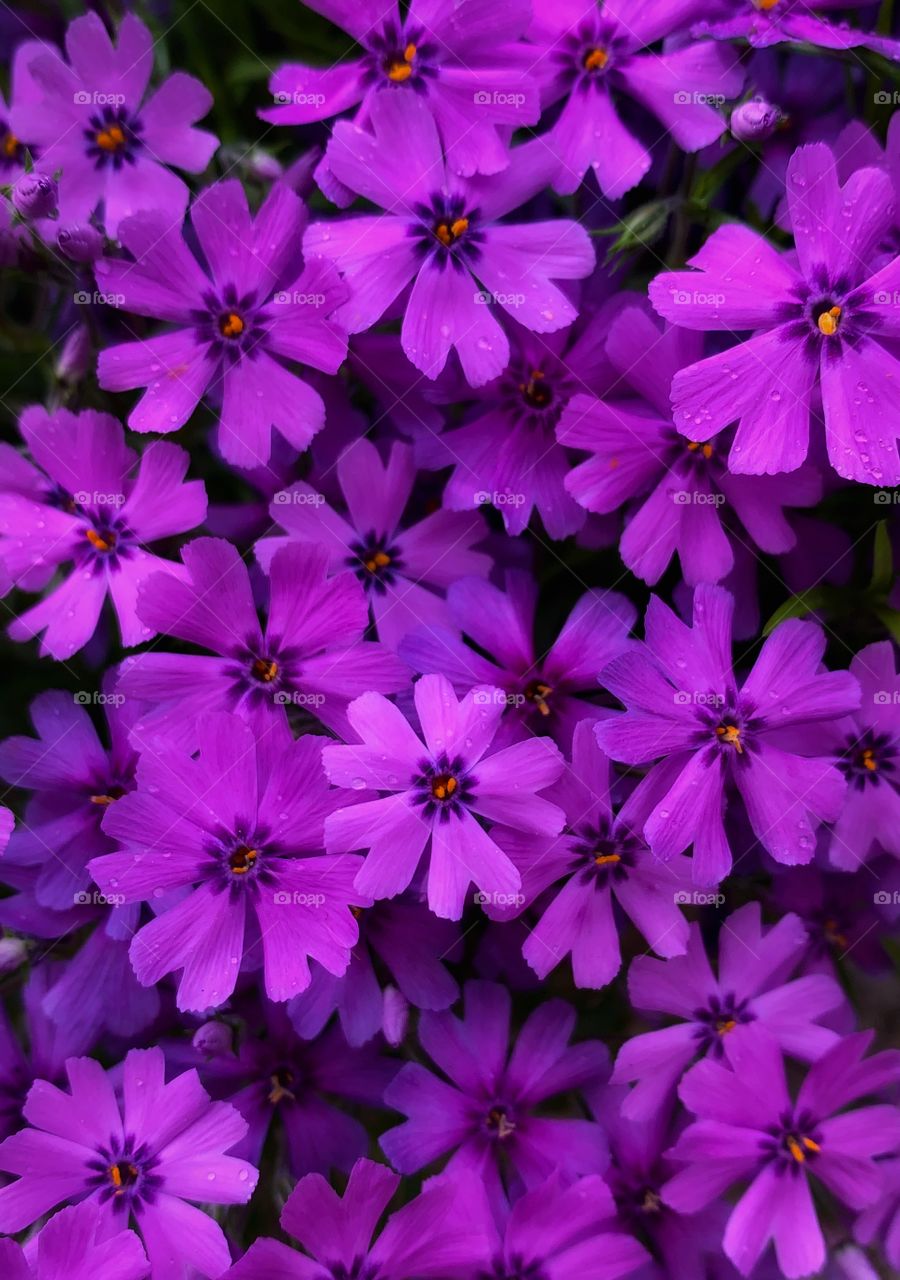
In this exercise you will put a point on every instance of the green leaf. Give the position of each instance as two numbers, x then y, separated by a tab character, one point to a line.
641	228
890	618
882	562
801	606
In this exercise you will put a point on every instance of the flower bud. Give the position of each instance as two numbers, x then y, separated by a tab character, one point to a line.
13	953
35	195
214	1039
395	1015
754	121
80	243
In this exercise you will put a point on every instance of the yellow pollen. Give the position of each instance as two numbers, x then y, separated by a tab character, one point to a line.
103	799
265	669
378	560
443	786
724	1025
538	693
731	736
603	859
595	60
447	234
765	4
115	1173
497	1120
398	71
110	139
242	860
810	1145
101	544
10	145
869	761
796	1150
279	1090
828	321
833	934
705	449
231	325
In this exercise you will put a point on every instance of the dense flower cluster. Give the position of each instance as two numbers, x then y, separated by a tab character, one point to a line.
451	779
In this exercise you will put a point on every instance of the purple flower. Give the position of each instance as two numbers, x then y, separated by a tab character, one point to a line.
686	710
679	487
74	1246
751	991
304	1089
768	22
254	307
436	793
589	55
749	1127
140	1159
233	830
485	1114
439	1235
407	941
96	508
404	568
881	1220
545	689
505	453
567	1231
74	778
462	60
440	233
310	654
599	867
94	124
822	323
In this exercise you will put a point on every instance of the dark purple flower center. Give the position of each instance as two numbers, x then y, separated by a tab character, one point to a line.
107	541
124	1173
447	231
514	1267
113	137
792	1143
283	1082
359	1269
869	760
499	1122
12	153
109	795
535	392
585	56
234	325
720	1017
399	55
375	562
242	861
603	853
442	787
537	694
